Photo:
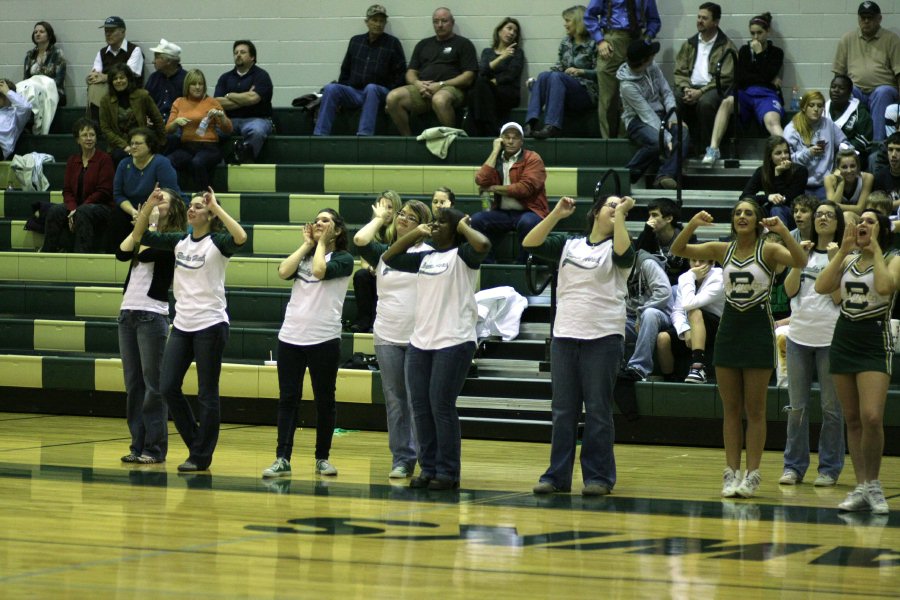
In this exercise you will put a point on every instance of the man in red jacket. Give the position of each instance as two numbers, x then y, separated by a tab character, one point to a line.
514	178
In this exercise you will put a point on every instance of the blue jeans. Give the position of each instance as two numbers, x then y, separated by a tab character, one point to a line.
323	361
495	223
255	130
877	101
206	348
557	93
335	96
785	212
434	379
583	373
653	321
401	434
647	155
142	339
801	360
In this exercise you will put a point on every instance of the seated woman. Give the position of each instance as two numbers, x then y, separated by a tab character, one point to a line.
756	86
496	89
778	181
198	147
570	84
124	108
814	140
46	58
848	186
79	224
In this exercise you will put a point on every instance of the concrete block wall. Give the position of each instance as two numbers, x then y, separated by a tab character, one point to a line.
302	42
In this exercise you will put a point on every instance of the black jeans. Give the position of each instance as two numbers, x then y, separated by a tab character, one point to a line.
322	360
365	290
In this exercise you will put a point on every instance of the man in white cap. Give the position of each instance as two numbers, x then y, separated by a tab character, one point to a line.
167	82
514	178
118	50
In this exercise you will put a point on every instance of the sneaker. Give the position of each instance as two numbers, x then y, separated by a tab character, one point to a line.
824	480
279	468
711	156
697	374
665	182
595	489
439	485
749	485
323	467
190	466
545	487
856	500
399	472
789	477
146	459
730	482
875	496
130	458
631	374
420	482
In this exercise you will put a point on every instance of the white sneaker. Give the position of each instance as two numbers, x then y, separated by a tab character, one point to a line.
711	156
399	472
824	480
730	482
323	467
279	468
856	500
875	497
789	477
749	485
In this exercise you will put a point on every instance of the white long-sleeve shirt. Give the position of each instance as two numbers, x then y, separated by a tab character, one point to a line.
710	296
13	119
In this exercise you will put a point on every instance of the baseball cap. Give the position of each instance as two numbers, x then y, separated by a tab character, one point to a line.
114	22
512	125
168	48
869	8
376	9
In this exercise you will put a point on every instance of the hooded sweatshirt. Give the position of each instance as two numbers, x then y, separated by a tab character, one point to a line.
645	96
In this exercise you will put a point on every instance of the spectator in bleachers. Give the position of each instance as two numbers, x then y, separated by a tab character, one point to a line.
440	71
613	24
646	99
393	327
695	66
443	197
15	111
804	206
850	115
870	56
514	177
699	302
245	93
199	117
373	65
757	86
143	329
310	337
496	90
365	285
813	317
124	108
118	50
848	185
46	58
200	328
778	181
814	140
166	83
570	84
887	178
660	231
649	309
81	222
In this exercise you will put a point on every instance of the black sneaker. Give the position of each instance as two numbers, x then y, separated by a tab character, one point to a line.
420	482
631	374
697	374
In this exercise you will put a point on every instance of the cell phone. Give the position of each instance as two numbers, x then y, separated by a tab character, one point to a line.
821	144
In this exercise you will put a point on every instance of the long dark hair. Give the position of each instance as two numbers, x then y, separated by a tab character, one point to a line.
503	23
51	35
116	70
176	219
340	239
839	229
757	210
768	165
885	232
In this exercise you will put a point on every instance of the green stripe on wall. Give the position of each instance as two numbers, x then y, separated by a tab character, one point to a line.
68	373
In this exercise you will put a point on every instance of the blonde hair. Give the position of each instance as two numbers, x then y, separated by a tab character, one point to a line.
389	233
576	15
801	123
193	76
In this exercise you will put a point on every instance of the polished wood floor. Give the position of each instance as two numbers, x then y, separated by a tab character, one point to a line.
76	523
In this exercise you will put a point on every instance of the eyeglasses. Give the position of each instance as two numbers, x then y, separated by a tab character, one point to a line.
828	216
408	218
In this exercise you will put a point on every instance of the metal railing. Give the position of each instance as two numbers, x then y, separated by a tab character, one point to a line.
734	161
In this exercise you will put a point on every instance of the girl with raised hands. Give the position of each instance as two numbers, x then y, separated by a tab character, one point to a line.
866	275
744	363
393	325
200	329
310	336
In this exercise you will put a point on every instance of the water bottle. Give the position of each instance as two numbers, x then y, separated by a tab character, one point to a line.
486	200
795	99
154	218
202	127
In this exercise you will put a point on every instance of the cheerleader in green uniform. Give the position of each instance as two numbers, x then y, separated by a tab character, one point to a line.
862	348
745	344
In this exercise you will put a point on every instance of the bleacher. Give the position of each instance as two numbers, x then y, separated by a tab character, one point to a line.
57	312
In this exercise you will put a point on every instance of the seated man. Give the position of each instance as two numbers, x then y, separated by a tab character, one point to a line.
699	302
660	231
166	84
245	93
514	177
440	70
887	178
14	114
646	98
118	50
373	65
648	307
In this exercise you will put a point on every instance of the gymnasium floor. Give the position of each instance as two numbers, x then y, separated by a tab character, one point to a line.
76	523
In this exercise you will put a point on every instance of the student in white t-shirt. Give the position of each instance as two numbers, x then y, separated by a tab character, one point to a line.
200	328
588	339
310	336
443	340
394	326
